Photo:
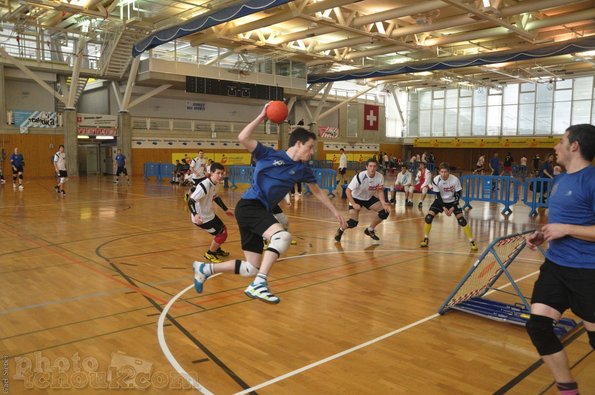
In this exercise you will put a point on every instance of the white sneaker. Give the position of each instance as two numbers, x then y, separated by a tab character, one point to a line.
21	188
199	275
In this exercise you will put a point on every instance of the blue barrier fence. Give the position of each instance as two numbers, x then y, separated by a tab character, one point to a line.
326	179
493	189
541	188
158	170
240	175
152	170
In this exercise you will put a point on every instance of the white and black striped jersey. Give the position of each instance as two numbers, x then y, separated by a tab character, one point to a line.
363	187
447	188
60	160
203	196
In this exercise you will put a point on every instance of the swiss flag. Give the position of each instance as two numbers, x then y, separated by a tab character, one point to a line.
371	117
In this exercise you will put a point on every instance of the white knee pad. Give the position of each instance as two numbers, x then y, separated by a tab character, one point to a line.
280	242
245	269
283	220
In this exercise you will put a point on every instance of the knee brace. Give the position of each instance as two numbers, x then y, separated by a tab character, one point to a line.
282	218
352	223
280	242
245	269
222	236
462	221
383	214
429	218
592	339
541	332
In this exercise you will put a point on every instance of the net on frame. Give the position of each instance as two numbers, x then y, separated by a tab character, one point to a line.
469	294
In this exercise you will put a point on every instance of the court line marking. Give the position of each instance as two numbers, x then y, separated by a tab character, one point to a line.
172	360
204	390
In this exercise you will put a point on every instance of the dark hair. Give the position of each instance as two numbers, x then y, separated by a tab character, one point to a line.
585	135
61	145
217	166
342	149
444	165
300	134
371	160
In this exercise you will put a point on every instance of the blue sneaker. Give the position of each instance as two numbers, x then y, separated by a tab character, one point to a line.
199	275
261	291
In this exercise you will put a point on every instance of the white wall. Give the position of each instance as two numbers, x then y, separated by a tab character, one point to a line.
28	95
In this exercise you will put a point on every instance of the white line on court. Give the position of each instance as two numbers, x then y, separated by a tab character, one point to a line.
205	391
161	337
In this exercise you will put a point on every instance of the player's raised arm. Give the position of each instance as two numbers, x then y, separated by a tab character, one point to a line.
245	136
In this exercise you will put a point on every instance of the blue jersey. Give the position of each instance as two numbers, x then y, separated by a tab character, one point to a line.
274	175
120	160
573	202
495	163
17	160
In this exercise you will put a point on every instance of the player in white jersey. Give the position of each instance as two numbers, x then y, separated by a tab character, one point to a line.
198	167
402	184
60	167
448	189
422	184
342	169
366	189
202	214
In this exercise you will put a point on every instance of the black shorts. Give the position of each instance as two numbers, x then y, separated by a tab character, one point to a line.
17	169
121	170
62	174
365	203
277	209
438	206
214	226
253	220
343	170
564	287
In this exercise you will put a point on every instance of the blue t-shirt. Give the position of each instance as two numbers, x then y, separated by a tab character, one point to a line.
120	160
573	202
274	175
495	163
17	160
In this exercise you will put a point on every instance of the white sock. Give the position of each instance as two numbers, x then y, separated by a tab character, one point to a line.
260	279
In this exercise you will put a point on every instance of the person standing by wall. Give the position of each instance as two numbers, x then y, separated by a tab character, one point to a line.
342	167
17	162
60	167
567	276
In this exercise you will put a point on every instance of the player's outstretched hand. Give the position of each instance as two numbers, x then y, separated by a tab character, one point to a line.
229	213
535	239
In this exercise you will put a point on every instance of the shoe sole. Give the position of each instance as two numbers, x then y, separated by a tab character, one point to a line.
248	294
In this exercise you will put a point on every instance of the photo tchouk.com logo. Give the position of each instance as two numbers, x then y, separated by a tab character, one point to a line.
77	372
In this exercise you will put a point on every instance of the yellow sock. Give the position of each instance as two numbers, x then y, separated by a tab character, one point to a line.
427	228
467	231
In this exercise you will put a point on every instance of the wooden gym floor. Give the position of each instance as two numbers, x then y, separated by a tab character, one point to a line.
85	278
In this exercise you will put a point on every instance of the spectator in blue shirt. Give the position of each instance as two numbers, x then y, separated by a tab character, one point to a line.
276	171
495	165
567	277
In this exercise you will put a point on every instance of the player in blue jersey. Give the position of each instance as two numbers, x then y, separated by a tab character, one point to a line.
567	277
275	173
120	160
17	163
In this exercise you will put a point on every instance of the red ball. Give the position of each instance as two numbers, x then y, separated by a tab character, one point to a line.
277	111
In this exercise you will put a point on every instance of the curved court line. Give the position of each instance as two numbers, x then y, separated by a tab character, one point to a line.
172	360
161	337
